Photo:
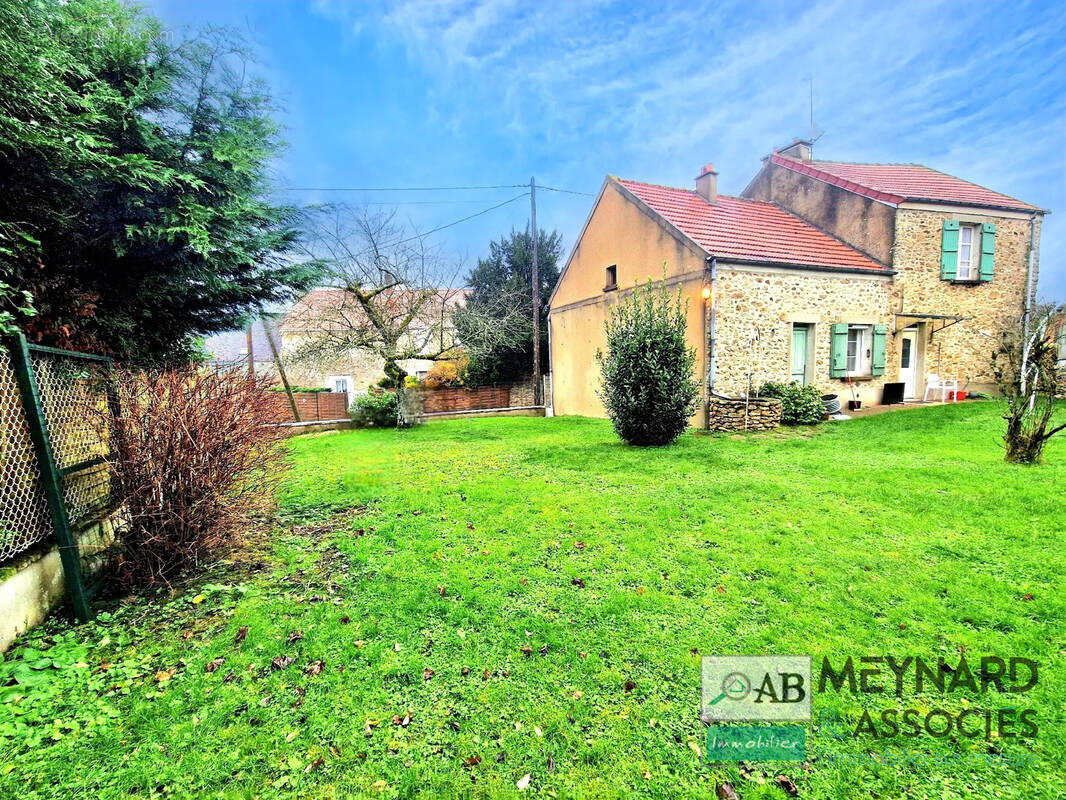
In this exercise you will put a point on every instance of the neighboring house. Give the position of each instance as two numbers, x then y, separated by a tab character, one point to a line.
844	276
230	349
327	313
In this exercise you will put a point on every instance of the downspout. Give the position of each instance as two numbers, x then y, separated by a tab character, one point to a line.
1030	272
551	372
711	342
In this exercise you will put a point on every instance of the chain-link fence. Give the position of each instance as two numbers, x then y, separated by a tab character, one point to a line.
24	518
54	479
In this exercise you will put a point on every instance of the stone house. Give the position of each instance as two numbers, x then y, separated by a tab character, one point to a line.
844	276
355	370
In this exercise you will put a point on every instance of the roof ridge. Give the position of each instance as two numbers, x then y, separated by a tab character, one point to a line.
738	198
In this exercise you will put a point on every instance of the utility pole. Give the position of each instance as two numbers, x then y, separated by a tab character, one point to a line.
536	294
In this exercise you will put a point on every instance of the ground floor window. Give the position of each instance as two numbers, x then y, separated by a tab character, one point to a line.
859	347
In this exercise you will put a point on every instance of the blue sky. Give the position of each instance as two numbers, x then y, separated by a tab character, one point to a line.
442	93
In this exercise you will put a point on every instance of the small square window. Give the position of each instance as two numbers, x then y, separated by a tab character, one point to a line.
612	278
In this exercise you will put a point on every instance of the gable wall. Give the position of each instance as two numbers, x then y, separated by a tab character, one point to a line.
618	232
865	224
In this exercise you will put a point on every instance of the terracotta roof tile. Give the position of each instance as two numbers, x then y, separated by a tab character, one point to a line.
897	183
748	229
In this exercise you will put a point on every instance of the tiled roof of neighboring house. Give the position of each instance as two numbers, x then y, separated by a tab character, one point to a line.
231	346
897	183
329	307
749	230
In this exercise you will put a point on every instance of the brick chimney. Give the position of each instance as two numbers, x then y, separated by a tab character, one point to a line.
800	148
707	184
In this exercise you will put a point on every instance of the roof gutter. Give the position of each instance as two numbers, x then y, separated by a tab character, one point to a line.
812	267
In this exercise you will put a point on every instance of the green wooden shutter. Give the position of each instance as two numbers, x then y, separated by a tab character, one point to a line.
988	250
949	250
838	351
877	357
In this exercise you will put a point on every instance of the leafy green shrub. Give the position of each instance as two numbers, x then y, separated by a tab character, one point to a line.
376	409
647	385
800	405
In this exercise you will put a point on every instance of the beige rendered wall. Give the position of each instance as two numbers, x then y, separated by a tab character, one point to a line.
622	233
964	350
865	224
759	302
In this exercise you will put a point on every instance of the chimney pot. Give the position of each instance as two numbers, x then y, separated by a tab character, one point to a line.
707	184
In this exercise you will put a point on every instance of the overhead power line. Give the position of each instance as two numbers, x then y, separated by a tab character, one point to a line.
400	188
424	234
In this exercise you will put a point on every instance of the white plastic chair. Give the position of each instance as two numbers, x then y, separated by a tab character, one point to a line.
934	383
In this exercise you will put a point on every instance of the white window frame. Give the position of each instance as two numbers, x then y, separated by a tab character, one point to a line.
331	384
967	270
857	364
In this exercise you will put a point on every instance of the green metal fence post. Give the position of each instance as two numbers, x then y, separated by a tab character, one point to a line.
53	489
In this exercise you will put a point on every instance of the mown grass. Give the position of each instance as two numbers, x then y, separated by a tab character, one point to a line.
454	546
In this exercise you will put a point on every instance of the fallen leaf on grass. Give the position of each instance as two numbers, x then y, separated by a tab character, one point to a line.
358	642
241	634
725	791
292	735
578	583
315	668
523	782
500	756
214	664
786	783
164	676
230	677
578	694
295	636
281	662
345	620
486	675
538	732
579	545
526	649
695	748
316	764
198	599
629	686
441	590
640	590
1027	596
465	671
473	761
397	647
403	721
427	673
186	635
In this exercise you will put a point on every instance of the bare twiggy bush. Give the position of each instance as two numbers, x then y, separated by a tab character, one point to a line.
194	455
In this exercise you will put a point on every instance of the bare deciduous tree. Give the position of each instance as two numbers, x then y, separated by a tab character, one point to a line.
393	294
1026	371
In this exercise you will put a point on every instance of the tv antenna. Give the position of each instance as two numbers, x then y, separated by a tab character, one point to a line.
815	133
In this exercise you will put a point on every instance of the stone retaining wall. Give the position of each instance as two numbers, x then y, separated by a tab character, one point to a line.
757	414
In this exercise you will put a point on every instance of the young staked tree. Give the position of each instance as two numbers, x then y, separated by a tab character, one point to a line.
496	323
1026	371
648	382
134	198
393	295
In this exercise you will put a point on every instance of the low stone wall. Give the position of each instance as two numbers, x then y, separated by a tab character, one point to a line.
313	406
756	414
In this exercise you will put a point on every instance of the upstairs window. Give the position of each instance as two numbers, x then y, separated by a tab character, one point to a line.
967	269
612	278
967	251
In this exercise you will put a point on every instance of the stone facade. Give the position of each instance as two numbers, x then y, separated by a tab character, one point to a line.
963	350
756	414
755	312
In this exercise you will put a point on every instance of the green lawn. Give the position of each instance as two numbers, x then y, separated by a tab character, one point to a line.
410	569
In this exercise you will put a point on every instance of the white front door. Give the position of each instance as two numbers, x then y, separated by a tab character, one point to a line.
908	361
